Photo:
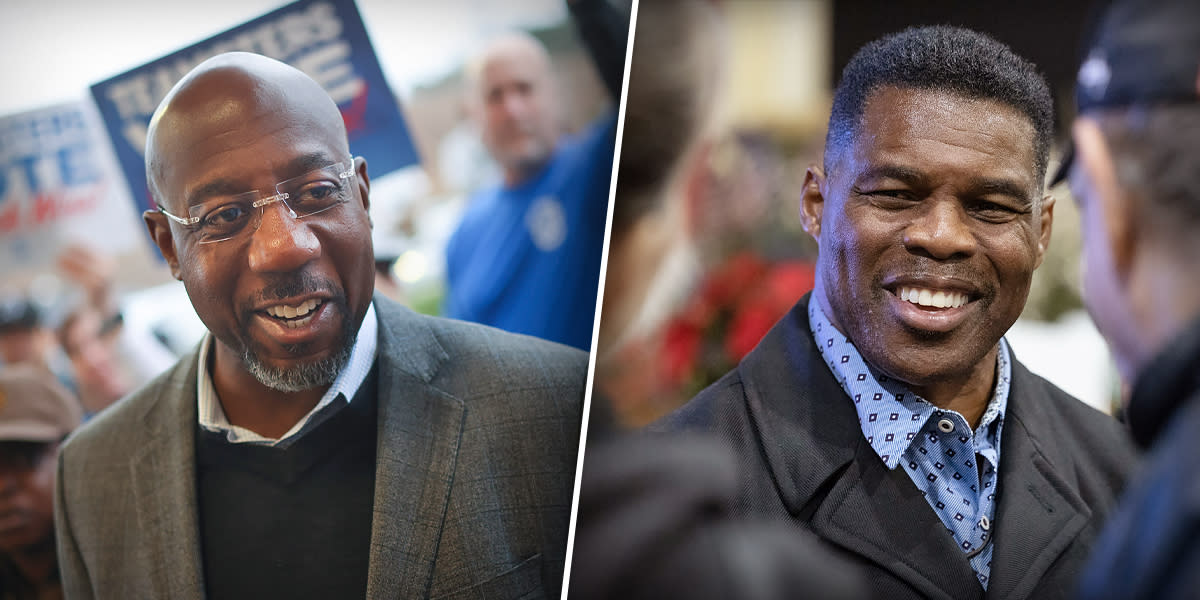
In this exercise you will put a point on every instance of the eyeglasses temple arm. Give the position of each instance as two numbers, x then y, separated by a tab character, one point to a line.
180	220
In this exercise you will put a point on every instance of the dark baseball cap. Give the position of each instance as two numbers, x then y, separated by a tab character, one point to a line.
1143	52
18	314
34	406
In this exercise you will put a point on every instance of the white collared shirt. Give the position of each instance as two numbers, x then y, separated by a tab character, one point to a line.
362	356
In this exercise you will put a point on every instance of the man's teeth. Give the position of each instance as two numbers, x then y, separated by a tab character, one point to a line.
291	312
932	298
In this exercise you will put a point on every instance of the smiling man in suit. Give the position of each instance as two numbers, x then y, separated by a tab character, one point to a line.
885	412
321	442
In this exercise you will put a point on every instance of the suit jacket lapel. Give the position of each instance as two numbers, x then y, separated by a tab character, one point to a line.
420	428
813	445
880	514
1037	514
163	475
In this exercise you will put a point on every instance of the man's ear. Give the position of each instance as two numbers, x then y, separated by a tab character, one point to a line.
160	232
1117	210
812	201
1047	222
364	182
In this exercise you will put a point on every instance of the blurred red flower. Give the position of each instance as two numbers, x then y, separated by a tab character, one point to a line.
681	346
737	304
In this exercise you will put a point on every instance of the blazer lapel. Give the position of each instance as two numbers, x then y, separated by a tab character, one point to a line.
163	475
880	515
823	467
420	428
1038	515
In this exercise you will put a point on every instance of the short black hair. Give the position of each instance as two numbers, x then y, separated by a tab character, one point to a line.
941	58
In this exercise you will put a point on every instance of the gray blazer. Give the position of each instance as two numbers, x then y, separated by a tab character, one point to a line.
478	435
804	461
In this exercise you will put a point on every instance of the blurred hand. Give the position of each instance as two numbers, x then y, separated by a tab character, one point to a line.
91	270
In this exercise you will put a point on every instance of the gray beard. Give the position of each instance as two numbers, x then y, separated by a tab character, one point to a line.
305	376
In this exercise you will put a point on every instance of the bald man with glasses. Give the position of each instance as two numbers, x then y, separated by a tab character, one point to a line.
321	441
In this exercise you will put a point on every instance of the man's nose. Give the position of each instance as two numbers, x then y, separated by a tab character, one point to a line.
515	103
281	243
941	229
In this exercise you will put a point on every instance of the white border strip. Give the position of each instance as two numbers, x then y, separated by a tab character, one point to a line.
587	402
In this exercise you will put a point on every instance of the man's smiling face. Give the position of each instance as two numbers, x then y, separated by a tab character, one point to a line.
930	228
283	298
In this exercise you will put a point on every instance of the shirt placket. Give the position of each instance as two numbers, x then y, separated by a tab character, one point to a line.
976	534
947	450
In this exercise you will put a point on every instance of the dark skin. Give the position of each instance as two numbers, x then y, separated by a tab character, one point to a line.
937	192
244	123
26	514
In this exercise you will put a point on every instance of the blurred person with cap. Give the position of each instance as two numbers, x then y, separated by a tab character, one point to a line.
27	338
526	255
23	338
1136	176
886	413
90	342
36	413
657	512
109	359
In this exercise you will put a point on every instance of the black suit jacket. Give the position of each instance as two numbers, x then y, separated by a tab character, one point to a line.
804	459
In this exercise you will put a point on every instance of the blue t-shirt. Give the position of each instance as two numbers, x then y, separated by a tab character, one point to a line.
527	258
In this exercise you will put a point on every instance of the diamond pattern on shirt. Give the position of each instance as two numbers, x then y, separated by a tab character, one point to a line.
937	448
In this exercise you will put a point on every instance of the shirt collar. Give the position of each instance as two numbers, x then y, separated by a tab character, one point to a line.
212	416
890	432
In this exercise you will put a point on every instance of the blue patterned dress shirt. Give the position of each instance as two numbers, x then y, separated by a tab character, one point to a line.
953	466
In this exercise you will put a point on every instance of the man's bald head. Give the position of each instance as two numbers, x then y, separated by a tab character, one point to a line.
220	95
512	97
223	140
513	45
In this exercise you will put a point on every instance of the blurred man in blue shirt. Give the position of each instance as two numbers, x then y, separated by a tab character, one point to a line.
526	256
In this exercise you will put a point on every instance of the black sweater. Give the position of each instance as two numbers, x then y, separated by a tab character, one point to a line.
290	522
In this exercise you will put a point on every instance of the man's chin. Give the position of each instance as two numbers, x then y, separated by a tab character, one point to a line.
302	373
298	377
530	158
932	366
22	538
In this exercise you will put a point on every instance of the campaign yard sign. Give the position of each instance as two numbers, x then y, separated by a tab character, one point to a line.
57	186
324	38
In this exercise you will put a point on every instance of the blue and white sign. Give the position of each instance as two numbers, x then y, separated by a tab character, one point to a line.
324	38
57	186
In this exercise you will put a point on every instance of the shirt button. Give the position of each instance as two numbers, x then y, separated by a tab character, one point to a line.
985	524
946	425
